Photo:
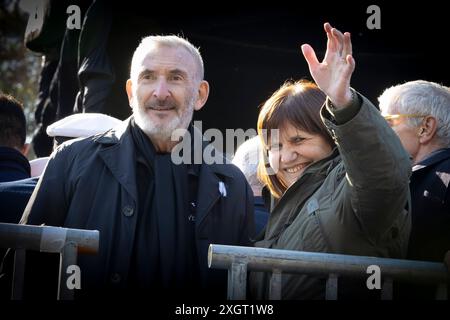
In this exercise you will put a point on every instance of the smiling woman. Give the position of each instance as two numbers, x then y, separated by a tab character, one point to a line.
294	109
340	175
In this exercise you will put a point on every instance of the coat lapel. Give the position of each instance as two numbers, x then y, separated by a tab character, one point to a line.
213	184
208	192
119	156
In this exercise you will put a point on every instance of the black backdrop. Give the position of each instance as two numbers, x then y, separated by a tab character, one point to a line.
250	50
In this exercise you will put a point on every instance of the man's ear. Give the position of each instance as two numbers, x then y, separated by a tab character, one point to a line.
203	93
427	129
129	88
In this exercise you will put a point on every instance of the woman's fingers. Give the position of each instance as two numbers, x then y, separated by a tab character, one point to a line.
339	40
331	43
350	67
347	45
310	56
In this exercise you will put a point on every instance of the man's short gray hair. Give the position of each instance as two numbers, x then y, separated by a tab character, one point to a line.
171	41
420	97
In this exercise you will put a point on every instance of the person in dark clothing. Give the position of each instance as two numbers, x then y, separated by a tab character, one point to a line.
14	165
156	217
419	112
47	33
14	195
13	149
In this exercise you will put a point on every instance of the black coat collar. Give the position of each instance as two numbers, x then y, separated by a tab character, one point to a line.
121	134
434	158
118	152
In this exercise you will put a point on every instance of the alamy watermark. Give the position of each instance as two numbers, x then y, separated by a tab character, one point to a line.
74	18
219	148
74	279
374	20
374	280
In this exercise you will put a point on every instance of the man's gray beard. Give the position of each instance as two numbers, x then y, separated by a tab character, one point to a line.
162	132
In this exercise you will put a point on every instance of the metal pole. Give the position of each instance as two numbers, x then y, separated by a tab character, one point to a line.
38	238
331	291
387	289
237	281
441	292
67	242
18	274
68	257
315	263
275	285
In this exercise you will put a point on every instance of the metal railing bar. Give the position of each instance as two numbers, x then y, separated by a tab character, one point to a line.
331	291
387	289
237	281
68	257
314	263
31	238
18	274
275	285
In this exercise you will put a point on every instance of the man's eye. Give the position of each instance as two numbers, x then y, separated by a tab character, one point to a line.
147	77
176	78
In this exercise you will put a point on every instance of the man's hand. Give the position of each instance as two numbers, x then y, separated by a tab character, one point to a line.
333	74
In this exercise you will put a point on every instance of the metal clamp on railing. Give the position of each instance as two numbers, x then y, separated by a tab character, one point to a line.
238	260
67	242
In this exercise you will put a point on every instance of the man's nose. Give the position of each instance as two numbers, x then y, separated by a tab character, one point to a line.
161	91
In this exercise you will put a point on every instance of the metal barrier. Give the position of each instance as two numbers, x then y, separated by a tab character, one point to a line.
238	260
67	242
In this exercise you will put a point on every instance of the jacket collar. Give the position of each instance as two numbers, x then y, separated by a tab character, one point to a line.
114	135
119	155
13	165
432	159
119	152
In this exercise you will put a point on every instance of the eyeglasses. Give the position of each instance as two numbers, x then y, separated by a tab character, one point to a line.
390	118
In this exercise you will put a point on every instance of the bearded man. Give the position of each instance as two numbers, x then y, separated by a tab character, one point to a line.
156	218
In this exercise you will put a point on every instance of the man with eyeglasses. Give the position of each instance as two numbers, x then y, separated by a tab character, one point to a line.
419	112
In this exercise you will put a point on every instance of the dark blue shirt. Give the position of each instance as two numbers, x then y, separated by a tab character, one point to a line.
14	196
13	165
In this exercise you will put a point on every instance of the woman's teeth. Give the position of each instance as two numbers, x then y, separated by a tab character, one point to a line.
295	169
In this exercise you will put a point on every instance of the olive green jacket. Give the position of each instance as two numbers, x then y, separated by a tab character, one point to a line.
353	202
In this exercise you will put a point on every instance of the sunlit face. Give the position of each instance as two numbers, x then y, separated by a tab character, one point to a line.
296	150
165	91
407	134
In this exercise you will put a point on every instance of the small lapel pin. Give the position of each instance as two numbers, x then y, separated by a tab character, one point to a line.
222	189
